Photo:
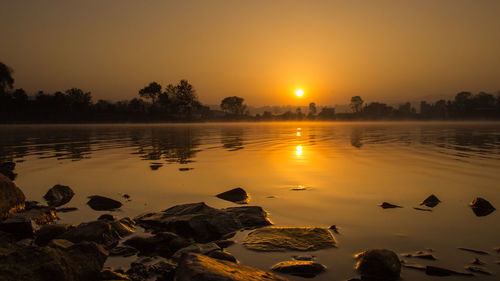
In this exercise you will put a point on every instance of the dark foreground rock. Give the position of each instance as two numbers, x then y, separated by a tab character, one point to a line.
79	262
101	203
237	195
386	205
58	195
11	197
196	267
290	238
26	222
204	223
162	244
299	268
111	274
431	201
162	270
378	264
481	207
50	231
7	169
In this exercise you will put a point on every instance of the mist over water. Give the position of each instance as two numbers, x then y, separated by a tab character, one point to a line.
344	170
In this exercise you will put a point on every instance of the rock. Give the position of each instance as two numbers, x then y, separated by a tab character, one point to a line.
185	169
126	196
60	243
481	207
101	203
479	252
111	274
7	169
224	243
67	209
11	197
103	232
431	201
477	269
196	248
299	268
58	195
497	249
386	205
50	231
222	255
25	223
422	209
80	262
196	267
204	223
439	271
413	266
289	238
237	195
477	261
162	244
304	258
421	255
163	270
378	264
123	251
106	217
334	229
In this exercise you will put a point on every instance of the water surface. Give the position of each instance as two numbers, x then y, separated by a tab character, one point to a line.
347	169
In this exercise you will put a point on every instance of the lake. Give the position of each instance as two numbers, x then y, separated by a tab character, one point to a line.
344	169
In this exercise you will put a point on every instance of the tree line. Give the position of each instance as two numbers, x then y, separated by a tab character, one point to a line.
179	103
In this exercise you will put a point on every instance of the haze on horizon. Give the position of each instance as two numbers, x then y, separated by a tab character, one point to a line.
390	51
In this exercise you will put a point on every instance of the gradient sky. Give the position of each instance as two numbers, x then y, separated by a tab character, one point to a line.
389	51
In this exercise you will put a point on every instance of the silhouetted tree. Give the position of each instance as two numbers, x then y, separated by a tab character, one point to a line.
6	79
152	91
312	110
327	113
233	105
356	104
184	99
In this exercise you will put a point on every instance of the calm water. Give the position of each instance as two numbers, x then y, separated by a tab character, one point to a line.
347	168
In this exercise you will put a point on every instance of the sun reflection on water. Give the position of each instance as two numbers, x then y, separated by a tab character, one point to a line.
298	150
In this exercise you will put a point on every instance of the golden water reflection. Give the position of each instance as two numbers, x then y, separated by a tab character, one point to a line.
298	150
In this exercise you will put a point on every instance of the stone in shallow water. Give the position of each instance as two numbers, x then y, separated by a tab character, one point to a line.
477	269
431	201
11	197
386	205
481	207
101	203
378	264
289	238
299	268
58	195
237	195
421	255
107	233
439	271
196	267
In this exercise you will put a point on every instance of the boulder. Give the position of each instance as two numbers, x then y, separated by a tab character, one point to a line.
222	255
26	222
147	270
11	197
289	238
7	169
79	262
378	264
431	201
204	223
101	203
50	231
58	195
299	268
163	244
197	248
107	233
237	195
196	267
481	207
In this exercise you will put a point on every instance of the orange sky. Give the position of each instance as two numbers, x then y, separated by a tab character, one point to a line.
260	50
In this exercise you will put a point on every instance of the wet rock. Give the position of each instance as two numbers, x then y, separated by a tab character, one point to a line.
79	262
196	267
126	196
299	268
162	244
50	231
101	203
60	243
163	270
222	255
422	209
204	223
106	217
111	274
7	169
58	195
378	264
479	252
431	201
334	229
103	232
481	207
386	205
196	248
67	209
26	222
11	197
237	195
185	169
416	266
477	269
155	167
289	238
304	258
421	255
477	261
124	251
439	271
224	243
299	188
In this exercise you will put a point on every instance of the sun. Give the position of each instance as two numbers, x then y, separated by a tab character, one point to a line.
299	92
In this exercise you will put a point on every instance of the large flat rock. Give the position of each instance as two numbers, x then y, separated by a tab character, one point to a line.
290	238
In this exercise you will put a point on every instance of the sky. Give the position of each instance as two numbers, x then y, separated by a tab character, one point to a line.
391	51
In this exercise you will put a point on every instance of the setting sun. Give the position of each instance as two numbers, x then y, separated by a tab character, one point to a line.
299	92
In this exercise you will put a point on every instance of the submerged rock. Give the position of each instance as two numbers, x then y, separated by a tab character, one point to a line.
7	169
58	195
479	252
222	255
477	261
101	203
289	238
477	269
196	267
481	207
421	255
204	223
439	271
11	197
197	248
422	209
386	205
299	268
304	258
79	262
378	264
67	209
237	195
431	201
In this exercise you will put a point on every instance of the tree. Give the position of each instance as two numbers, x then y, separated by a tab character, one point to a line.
233	105
327	113
6	80
356	104
152	91
184	98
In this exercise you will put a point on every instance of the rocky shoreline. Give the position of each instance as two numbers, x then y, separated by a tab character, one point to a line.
184	243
